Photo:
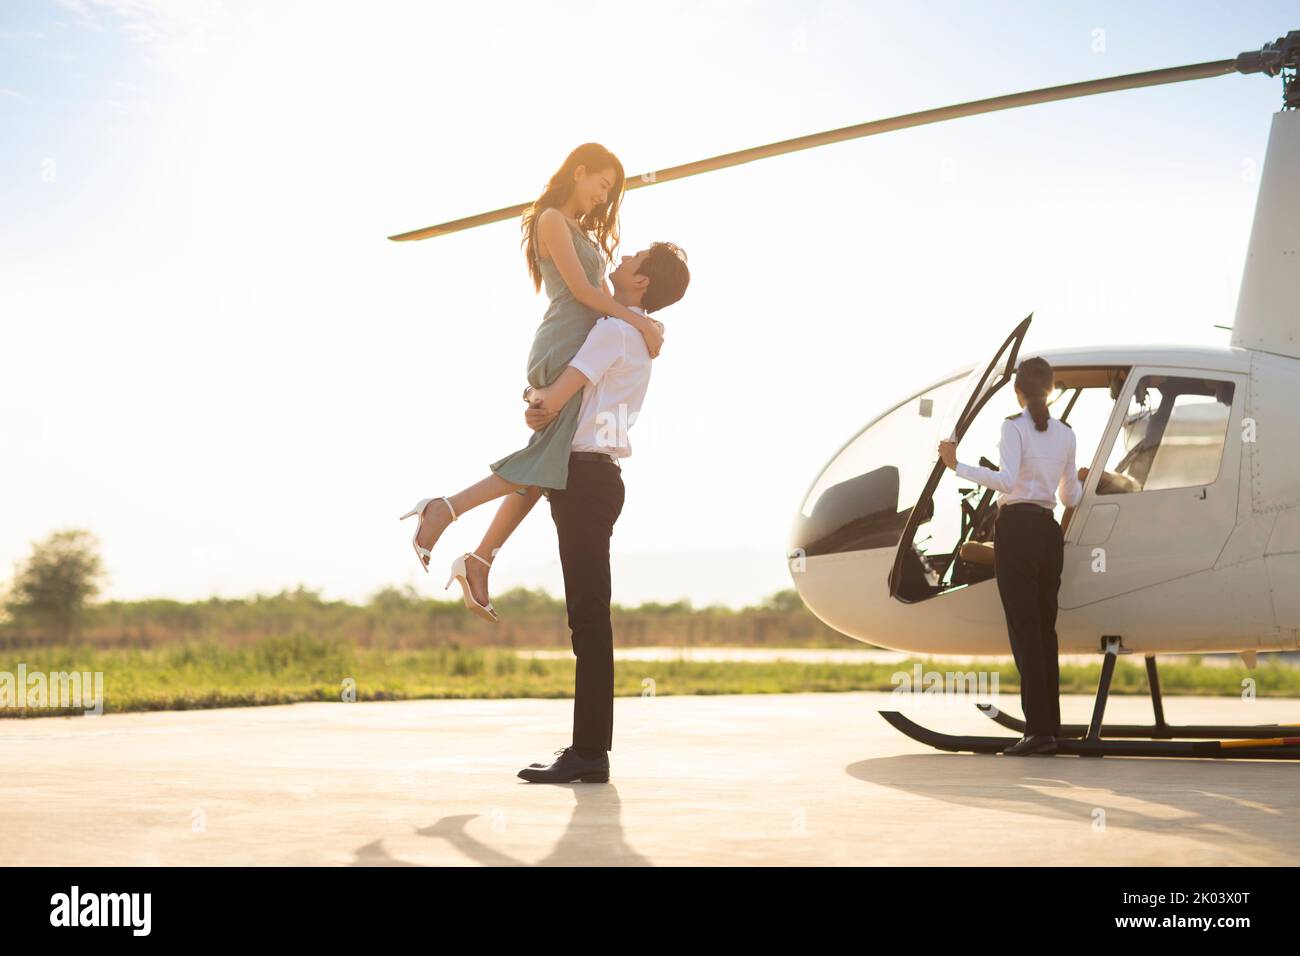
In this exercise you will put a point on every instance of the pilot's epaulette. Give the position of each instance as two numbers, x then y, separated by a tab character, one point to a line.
1067	425
1015	416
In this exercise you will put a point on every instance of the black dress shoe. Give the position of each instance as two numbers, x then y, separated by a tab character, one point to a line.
568	768
556	752
1032	744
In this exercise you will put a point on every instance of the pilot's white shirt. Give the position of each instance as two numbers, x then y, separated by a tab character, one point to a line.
1034	466
617	365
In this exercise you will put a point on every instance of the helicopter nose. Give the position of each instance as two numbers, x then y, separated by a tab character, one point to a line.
848	591
841	549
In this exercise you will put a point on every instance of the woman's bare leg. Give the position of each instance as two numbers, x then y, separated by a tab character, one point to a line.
437	517
512	511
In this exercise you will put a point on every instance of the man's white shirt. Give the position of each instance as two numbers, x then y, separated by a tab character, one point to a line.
616	362
1035	466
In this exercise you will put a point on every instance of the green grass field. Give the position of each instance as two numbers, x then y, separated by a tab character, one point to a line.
198	674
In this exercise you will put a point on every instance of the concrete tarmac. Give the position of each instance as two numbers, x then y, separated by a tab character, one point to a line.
796	779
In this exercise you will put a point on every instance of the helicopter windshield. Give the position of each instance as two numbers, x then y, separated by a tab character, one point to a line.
862	498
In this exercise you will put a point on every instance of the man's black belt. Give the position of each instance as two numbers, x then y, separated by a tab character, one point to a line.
592	456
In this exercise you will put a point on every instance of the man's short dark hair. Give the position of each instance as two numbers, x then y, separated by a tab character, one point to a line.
665	267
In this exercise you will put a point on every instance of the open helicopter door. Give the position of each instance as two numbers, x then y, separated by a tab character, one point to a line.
908	574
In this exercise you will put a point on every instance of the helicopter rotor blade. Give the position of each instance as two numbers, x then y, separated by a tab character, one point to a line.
1049	94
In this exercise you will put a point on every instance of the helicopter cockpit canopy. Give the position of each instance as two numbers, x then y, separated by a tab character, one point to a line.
886	488
1169	433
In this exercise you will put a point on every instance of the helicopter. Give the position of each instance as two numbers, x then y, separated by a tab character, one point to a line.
1187	538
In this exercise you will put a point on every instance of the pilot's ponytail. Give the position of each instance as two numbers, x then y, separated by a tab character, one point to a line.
1035	380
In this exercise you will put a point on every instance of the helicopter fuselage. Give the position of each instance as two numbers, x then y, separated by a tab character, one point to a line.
1192	545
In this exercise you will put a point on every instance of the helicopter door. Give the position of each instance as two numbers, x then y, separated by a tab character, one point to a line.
1161	497
907	578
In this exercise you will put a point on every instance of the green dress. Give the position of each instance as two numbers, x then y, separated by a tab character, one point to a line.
544	463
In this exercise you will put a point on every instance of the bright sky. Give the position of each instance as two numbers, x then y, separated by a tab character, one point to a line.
216	361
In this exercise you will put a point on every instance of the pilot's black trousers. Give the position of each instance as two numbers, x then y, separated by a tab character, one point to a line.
584	513
1028	553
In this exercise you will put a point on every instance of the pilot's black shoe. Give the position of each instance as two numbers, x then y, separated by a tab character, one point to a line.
570	767
1034	744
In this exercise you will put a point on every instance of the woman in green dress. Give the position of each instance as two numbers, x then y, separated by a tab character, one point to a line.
569	235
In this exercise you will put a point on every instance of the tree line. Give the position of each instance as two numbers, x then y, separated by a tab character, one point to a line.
51	599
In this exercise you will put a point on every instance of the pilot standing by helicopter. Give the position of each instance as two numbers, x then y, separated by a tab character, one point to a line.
1037	462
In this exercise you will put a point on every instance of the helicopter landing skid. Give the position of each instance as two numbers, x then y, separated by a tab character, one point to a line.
1152	731
1280	748
1254	743
1157	731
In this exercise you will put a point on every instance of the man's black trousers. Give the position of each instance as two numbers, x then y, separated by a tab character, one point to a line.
584	513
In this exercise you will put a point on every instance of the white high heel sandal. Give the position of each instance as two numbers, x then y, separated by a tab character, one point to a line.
460	573
423	553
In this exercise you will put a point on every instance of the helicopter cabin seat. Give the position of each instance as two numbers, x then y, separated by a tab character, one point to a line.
977	552
1117	483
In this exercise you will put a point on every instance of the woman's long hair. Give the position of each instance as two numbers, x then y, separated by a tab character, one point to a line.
602	220
1035	380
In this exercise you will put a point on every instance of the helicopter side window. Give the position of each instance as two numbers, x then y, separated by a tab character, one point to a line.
1172	436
